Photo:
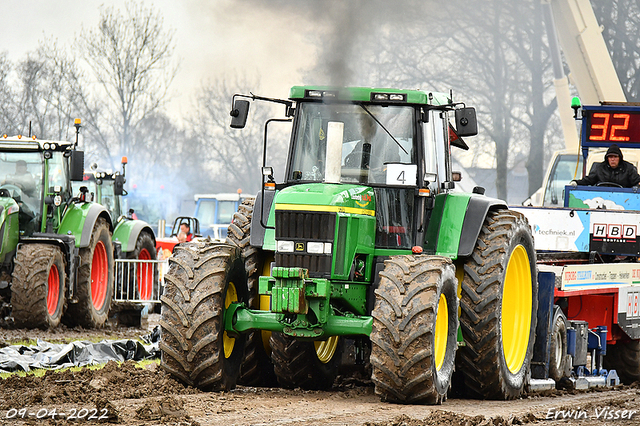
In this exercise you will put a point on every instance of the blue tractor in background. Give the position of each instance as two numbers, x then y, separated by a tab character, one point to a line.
215	211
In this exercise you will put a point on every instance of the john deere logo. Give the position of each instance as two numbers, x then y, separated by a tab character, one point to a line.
299	246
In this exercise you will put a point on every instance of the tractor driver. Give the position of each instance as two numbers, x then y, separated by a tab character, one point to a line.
372	152
186	229
613	170
360	156
23	179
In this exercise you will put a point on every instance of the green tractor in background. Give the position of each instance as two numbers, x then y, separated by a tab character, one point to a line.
364	253
133	240
56	253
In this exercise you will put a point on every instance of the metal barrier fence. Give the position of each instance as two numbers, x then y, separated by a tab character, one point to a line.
139	281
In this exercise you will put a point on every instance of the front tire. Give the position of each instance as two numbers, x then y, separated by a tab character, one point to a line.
499	304
415	323
203	281
38	286
304	364
95	280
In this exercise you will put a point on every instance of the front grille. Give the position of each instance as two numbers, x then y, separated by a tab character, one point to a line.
303	227
314	226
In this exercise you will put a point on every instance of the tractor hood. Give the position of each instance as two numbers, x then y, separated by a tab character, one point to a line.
341	198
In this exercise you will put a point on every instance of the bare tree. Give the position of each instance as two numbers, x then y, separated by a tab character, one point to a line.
621	20
492	56
8	108
50	91
232	157
130	58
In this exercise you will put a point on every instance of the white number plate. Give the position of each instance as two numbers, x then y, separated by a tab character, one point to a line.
402	174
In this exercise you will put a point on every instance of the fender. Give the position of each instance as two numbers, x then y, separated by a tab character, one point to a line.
452	233
474	217
127	232
79	220
259	208
9	230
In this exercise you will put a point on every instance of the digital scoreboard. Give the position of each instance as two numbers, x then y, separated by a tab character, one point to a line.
609	124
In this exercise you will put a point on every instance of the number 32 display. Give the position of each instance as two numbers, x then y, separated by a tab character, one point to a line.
614	127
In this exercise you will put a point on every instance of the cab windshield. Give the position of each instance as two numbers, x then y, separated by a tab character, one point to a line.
368	149
21	178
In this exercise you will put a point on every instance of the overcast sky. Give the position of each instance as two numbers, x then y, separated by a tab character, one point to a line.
214	38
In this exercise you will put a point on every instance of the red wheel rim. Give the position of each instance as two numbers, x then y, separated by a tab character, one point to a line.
99	275
53	290
145	275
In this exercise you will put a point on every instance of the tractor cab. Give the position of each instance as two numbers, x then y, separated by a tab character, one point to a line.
377	152
101	188
105	188
35	175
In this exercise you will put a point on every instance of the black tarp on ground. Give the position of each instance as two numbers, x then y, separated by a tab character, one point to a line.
79	354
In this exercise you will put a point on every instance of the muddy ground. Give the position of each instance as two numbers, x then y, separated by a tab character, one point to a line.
124	394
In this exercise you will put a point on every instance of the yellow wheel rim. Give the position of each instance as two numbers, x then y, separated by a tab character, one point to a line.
229	342
516	309
442	329
325	349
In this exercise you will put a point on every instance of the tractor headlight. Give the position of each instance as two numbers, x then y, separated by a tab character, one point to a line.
57	200
327	248
284	246
46	146
315	247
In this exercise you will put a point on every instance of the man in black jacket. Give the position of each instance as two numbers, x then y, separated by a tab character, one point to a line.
612	170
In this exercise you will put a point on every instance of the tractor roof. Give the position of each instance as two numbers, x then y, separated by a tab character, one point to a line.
368	94
20	143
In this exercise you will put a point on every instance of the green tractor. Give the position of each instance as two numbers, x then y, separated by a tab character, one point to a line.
365	254
133	239
56	253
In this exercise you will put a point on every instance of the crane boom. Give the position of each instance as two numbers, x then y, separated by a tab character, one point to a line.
586	53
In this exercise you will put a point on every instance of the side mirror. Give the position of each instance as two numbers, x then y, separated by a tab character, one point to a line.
466	122
239	114
76	166
118	185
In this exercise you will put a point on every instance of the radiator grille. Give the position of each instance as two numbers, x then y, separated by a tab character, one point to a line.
314	226
303	227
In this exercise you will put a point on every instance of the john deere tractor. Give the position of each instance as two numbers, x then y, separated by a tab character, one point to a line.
56	253
364	253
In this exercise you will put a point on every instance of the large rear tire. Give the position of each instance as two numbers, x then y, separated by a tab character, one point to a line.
38	286
257	368
415	324
624	357
204	278
499	303
303	364
95	280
